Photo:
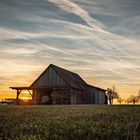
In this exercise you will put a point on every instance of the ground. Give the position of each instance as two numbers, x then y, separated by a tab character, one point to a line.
70	122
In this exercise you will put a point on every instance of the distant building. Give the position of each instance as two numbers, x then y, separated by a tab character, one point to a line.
59	86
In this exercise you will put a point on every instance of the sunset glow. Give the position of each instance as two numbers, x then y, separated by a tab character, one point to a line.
99	40
25	98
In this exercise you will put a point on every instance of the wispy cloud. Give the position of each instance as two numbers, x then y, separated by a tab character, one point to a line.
104	35
71	7
36	42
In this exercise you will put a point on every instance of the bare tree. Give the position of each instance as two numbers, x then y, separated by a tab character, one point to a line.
112	94
120	100
134	99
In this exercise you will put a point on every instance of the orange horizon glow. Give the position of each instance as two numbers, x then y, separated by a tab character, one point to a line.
123	90
25	98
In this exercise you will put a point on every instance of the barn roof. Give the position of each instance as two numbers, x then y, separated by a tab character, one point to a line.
71	78
91	86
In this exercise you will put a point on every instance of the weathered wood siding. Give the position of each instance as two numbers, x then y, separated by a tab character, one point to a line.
90	95
36	97
61	97
50	78
76	96
95	96
99	97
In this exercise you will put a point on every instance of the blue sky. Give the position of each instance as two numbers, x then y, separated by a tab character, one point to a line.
98	39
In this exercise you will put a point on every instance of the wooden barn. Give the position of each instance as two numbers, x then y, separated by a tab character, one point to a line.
59	86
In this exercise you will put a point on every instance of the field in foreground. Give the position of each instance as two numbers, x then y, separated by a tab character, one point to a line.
70	122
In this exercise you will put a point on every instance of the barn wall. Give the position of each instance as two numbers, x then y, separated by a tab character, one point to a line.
76	96
99	96
50	78
90	95
95	96
61	97
36	97
73	96
57	96
39	95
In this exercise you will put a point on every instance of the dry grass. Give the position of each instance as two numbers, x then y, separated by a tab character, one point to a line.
70	122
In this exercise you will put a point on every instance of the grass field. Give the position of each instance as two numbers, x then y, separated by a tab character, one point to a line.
70	122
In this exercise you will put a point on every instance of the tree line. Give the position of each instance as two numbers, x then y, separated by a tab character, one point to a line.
112	94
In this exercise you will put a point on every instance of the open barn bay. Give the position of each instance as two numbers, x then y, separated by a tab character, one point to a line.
69	122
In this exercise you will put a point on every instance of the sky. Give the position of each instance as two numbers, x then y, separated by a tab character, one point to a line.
98	39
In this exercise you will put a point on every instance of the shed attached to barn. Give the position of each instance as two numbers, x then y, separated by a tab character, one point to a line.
60	86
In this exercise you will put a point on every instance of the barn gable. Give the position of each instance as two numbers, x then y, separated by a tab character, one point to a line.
49	78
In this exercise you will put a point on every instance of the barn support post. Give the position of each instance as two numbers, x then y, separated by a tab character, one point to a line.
50	99
53	95
72	96
31	93
34	99
18	92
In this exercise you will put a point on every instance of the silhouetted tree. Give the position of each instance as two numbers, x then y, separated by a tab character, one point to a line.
134	99
112	94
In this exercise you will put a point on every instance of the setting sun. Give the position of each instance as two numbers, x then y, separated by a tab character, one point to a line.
25	98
